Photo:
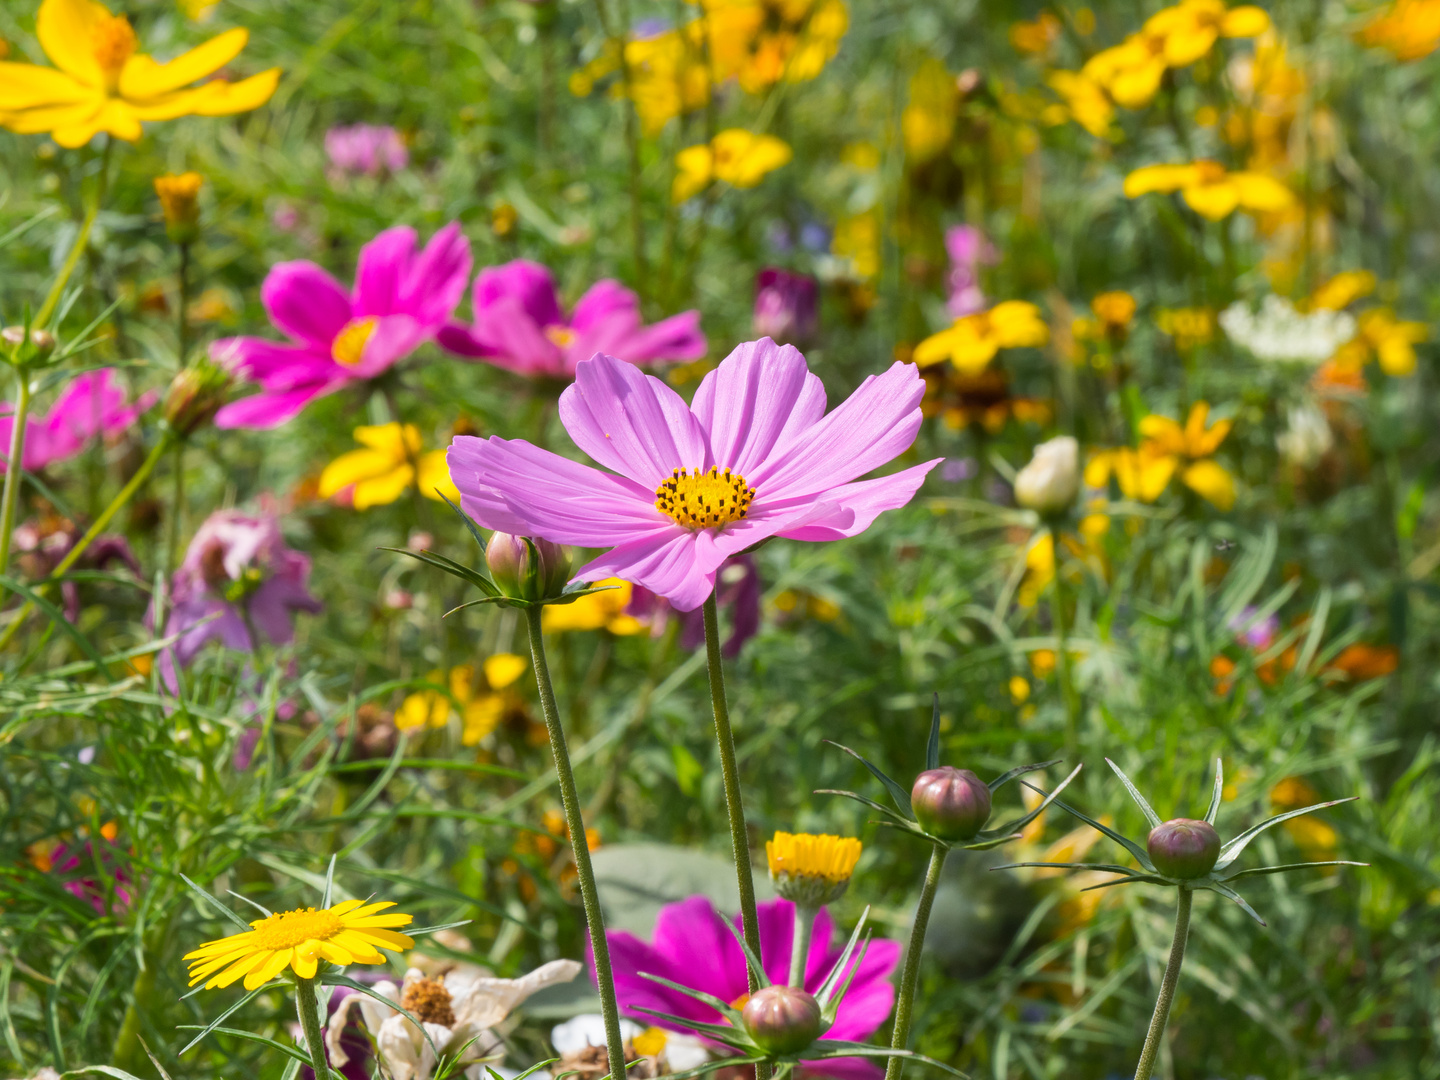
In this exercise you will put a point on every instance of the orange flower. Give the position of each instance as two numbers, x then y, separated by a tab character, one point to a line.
1362	662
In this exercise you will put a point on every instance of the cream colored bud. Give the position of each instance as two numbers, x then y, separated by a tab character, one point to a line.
1050	482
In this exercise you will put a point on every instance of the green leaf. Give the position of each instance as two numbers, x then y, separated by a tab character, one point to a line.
868	802
217	905
898	793
990	837
932	748
1217	794
1231	849
1140	801
214	1024
822	1049
1290	866
466	518
1226	891
827	988
329	884
1004	778
252	1037
451	567
730	1035
756	968
1141	855
58	617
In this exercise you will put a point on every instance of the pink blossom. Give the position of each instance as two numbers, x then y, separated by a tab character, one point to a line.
754	456
521	326
366	149
76	867
968	250
786	305
738	585
92	405
401	298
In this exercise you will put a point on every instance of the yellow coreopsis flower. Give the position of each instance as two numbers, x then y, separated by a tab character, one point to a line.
928	121
1410	29
1085	99
974	340
1382	336
1131	71
481	706
739	157
1342	290
597	611
811	869
1142	474
1190	28
1192	447
1210	189
761	42
385	471
101	83
352	932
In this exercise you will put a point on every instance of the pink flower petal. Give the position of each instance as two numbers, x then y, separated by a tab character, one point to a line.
858	505
677	338
676	563
305	302
394	338
436	280
527	283
631	422
607	302
506	332
269	410
381	269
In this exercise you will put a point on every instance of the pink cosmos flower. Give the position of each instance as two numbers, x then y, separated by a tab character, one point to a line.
91	405
693	947
754	456
738	585
401	298
521	326
968	250
366	149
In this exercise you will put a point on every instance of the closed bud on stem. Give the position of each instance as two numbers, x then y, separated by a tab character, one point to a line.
41	343
950	803
1049	484
179	200
527	568
1182	848
195	396
782	1019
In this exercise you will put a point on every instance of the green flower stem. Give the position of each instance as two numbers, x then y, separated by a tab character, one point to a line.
183	320
1167	987
580	846
800	943
177	509
11	495
1062	653
116	504
910	977
739	839
307	1007
128	1052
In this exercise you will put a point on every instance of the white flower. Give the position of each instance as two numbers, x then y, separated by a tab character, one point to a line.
456	1011
680	1052
1049	483
1280	334
1306	437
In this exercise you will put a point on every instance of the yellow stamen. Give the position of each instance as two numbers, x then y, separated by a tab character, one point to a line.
349	345
650	1042
704	500
562	336
286	929
808	855
112	42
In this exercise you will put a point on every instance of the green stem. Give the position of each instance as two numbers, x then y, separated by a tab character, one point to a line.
1062	653
116	504
11	495
1167	987
307	1007
621	36
910	977
177	509
800	944
739	839
128	1052
183	320
580	847
82	239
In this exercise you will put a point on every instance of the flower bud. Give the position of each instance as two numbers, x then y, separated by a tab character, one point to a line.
1050	482
195	396
42	342
782	1019
1182	848
520	576
810	869
950	803
179	200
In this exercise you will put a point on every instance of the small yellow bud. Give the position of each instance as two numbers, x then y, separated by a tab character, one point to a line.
178	199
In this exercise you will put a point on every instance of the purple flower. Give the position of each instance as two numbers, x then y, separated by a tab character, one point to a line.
968	250
786	305
693	947
1257	633
91	405
365	149
738	586
400	300
521	326
754	456
72	865
41	544
238	570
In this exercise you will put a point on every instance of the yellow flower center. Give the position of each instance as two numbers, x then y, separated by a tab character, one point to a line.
740	1002
561	336
349	346
650	1042
112	42
808	855
286	929
704	500
430	1002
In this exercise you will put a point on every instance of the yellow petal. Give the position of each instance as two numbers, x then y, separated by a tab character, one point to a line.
1259	192
351	468
481	717
1158	178
334	953
693	170
381	905
64	28
387	439
234	971
227	98
502	669
435	477
1213	201
414	711
935	349
1135	87
1245	21
143	78
384	489
1164	432
272	967
304	962
1210	480
77	121
386	939
1184	48
1018	323
1097	469
1397	356
26	86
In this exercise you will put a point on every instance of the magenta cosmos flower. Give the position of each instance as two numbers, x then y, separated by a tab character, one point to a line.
693	947
754	456
521	326
365	150
401	298
92	405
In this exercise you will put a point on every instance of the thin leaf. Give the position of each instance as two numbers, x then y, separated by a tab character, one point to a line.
710	1066
729	1034
1140	801
1141	855
107	1070
756	967
58	618
1291	866
1215	796
329	884
1004	778
827	1013
258	907
417	931
214	1024
827	988
823	1049
1153	879
932	748
898	793
236	919
1226	891
469	522
868	802
1109	868
1231	849
449	566
990	836
252	1037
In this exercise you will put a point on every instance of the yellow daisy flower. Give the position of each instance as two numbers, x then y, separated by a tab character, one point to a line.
1210	189
101	83
739	157
1191	446
974	340
349	933
385	471
597	611
811	869
1190	29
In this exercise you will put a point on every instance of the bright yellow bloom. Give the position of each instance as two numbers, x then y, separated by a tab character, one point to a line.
352	932
1191	446
385	471
1035	37
857	239
761	42
1410	29
598	611
811	869
1210	190
974	340
1381	336
101	83
481	709
1115	308
1142	474
928	121
178	195
1342	290
1131	71
1188	326
1086	100
1191	28
739	157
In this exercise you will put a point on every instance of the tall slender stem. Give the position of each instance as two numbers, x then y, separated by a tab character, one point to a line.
182	327
800	943
739	839
177	510
1062	653
580	847
620	36
116	504
1167	987
307	1007
11	495
910	977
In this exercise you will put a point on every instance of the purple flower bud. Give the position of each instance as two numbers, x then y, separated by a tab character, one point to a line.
518	575
1182	848
782	1019
950	803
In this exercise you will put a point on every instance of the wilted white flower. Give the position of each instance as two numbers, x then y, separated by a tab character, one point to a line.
1277	333
1049	483
1306	437
680	1052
